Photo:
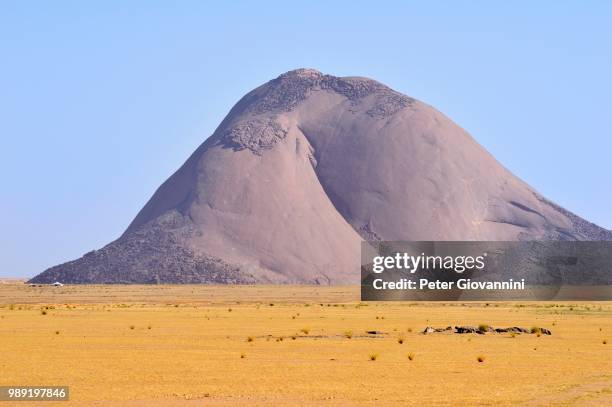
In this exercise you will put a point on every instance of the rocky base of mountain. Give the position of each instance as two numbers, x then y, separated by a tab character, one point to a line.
580	227
153	254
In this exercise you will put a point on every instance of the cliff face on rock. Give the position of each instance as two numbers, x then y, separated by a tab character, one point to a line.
300	171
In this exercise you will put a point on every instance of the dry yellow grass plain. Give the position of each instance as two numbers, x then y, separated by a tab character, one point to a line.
295	345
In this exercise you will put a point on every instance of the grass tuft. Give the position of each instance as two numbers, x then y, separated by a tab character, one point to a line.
373	356
348	334
411	356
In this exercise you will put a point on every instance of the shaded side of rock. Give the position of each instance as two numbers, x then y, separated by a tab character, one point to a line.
466	330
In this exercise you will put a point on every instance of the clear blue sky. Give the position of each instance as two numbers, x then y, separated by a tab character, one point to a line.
100	101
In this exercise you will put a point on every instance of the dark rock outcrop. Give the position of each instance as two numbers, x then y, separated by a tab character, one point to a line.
485	328
466	330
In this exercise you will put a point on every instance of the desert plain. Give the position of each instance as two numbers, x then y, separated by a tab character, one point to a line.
193	345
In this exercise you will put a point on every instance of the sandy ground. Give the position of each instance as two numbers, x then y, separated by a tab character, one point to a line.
288	345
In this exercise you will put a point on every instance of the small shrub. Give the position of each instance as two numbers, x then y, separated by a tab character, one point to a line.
57	332
480	359
229	310
293	337
305	331
348	334
132	327
43	312
400	340
373	356
536	330
483	328
149	327
605	341
242	356
411	356
409	329
250	339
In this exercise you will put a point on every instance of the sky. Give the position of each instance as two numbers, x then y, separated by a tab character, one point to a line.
101	101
